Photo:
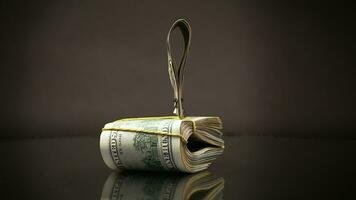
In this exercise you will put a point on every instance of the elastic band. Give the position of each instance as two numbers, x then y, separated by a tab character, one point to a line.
194	126
154	132
150	118
159	118
144	131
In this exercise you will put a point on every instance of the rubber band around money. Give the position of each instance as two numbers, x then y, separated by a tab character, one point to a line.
142	131
160	118
148	131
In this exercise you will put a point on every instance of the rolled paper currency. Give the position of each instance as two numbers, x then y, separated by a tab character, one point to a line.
162	143
162	186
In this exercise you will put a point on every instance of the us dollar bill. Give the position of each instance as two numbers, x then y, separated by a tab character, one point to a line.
138	150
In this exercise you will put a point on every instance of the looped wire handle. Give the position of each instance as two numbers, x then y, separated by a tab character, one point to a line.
177	75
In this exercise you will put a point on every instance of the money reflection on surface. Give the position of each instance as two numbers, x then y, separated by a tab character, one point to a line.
162	186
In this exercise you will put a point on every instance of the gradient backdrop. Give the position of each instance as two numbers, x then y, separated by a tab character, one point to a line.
265	67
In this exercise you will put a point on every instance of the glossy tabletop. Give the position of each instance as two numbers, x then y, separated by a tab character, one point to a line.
252	167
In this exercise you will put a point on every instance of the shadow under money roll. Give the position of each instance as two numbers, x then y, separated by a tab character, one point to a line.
162	186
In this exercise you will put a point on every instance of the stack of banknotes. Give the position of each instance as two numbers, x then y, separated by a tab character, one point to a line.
171	143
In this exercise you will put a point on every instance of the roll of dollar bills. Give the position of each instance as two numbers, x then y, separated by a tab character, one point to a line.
162	186
173	143
162	143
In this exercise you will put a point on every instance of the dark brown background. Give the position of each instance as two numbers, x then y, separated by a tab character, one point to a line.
265	67
279	74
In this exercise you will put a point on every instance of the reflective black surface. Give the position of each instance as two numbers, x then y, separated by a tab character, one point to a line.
256	167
